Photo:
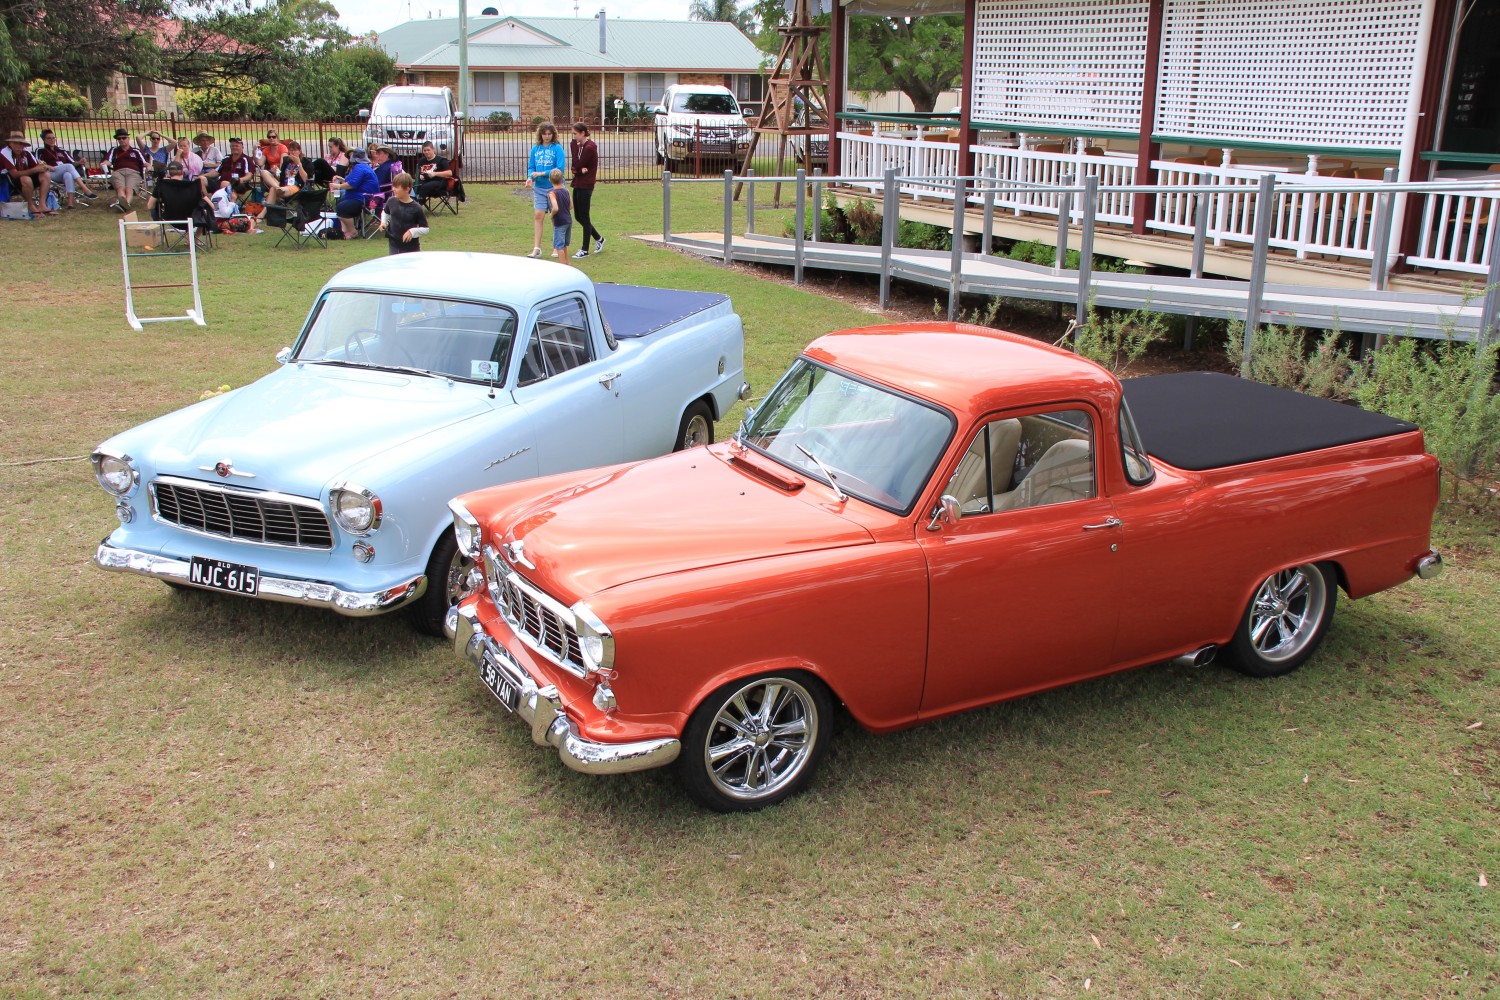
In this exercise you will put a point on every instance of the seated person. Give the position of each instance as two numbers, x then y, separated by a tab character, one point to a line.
64	170
338	155
29	177
353	190
434	172
236	166
208	151
157	151
289	178
192	163
127	170
385	167
174	173
270	152
227	205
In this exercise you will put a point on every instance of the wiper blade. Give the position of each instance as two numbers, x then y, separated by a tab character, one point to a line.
412	371
827	472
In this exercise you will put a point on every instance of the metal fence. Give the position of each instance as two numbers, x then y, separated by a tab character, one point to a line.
492	153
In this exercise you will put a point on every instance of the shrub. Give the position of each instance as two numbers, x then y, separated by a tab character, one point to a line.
1282	356
504	118
224	102
1045	254
1117	339
54	100
1447	389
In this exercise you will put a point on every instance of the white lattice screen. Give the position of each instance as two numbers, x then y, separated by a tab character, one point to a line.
1060	64
1308	72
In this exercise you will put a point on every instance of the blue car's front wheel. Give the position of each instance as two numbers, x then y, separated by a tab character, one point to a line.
447	584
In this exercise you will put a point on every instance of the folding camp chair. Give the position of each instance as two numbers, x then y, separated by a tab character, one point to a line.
300	220
451	195
179	202
368	223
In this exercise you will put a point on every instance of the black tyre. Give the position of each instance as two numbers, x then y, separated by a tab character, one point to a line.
447	576
1285	622
696	428
754	742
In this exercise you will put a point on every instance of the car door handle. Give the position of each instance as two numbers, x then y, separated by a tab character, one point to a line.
1109	522
608	379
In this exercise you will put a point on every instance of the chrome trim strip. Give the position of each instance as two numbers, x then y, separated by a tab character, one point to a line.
249	494
541	709
287	590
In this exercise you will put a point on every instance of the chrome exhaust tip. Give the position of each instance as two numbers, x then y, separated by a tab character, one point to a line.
1430	565
1197	658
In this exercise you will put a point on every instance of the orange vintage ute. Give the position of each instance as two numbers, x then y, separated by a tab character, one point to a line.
921	520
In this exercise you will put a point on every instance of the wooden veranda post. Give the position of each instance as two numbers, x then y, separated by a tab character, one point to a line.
1144	204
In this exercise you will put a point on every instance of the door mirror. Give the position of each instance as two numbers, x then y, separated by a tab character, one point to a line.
458	116
364	112
284	355
946	509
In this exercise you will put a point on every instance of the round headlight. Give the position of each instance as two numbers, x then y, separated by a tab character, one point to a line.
356	509
115	473
465	529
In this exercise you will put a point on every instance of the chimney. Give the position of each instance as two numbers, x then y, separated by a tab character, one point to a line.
603	48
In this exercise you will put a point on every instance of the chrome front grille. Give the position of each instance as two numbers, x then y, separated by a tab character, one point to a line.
244	515
541	622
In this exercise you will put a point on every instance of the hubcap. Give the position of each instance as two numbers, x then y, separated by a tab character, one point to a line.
697	432
761	739
1286	612
457	585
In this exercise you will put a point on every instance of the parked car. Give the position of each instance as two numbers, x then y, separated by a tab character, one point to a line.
415	378
701	121
405	117
922	520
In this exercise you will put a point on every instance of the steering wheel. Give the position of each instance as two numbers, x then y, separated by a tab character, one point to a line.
355	342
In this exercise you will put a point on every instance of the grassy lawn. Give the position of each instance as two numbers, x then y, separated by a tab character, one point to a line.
209	796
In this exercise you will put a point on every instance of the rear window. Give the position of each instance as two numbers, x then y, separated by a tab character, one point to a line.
705	104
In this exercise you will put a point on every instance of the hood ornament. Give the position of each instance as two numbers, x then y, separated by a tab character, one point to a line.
516	552
225	469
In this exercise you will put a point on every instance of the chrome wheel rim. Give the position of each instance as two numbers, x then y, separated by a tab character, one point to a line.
457	585
1285	613
696	433
761	738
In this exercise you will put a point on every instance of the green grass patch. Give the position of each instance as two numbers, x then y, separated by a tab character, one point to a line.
206	796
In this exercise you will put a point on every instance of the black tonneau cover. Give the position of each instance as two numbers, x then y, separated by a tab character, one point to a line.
1206	420
635	311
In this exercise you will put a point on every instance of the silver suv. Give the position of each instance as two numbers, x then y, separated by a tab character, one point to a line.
405	117
695	119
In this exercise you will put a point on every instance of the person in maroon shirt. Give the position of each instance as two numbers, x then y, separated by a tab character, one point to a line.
27	173
585	160
127	171
236	166
64	170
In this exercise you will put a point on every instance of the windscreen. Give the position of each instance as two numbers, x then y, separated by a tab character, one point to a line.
470	341
705	104
411	106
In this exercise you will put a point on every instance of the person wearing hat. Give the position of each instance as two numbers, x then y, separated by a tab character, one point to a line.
63	170
26	172
236	166
127	170
354	189
208	151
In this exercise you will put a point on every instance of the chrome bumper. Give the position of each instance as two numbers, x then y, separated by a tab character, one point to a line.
541	708
272	588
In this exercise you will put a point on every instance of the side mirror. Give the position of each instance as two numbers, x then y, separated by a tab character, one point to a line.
284	355
658	110
947	509
458	116
364	112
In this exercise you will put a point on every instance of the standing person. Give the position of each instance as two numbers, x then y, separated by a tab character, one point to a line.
127	170
561	205
30	175
402	220
63	169
434	171
546	156
360	184
585	173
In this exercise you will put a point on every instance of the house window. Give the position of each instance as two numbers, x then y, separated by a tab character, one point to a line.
140	95
489	88
749	87
649	87
416	79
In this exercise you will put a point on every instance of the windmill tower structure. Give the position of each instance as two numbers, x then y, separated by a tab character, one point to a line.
796	106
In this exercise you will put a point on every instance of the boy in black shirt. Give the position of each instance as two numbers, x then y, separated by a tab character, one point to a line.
403	221
562	216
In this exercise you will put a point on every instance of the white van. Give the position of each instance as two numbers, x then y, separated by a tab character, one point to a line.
697	119
405	117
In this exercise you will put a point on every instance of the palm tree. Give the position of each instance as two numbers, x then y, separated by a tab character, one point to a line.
721	10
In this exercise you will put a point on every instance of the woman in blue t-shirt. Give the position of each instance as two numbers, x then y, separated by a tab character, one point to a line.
546	156
353	190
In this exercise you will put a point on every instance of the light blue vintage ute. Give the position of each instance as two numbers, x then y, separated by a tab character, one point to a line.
415	378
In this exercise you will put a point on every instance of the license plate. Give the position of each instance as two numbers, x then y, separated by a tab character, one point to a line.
500	685
216	574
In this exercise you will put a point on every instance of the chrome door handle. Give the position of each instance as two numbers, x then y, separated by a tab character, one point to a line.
1109	522
608	379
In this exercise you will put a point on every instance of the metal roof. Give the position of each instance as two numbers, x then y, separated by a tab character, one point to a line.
568	43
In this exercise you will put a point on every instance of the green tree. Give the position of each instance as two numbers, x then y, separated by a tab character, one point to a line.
722	10
919	56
